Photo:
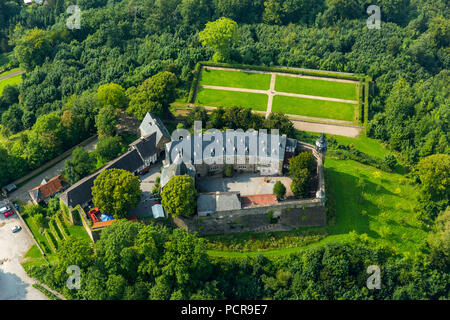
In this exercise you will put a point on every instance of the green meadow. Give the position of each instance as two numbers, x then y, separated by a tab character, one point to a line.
11	81
235	79
218	98
314	108
316	87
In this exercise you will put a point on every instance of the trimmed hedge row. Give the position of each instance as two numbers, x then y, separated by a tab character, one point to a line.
361	113
366	100
44	247
194	84
284	70
54	230
49	295
51	241
62	227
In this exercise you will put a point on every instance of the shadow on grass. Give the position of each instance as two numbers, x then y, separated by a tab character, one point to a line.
352	210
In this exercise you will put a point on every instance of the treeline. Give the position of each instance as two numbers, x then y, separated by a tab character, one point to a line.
133	261
238	118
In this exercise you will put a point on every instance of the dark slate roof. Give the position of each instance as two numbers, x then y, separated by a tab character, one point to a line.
146	146
206	203
264	149
218	202
81	192
177	168
152	124
130	161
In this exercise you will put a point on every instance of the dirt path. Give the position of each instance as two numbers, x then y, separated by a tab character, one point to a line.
271	93
340	130
12	74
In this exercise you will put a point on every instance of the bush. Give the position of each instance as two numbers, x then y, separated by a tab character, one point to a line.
229	171
279	190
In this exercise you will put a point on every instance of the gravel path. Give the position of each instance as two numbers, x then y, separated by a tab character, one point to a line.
340	130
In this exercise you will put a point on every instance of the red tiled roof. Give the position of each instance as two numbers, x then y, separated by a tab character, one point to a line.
44	191
258	200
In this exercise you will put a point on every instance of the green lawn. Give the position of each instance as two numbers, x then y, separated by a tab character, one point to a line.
235	79
217	98
314	108
321	88
11	82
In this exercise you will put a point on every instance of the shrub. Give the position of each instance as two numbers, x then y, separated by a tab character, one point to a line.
228	172
279	190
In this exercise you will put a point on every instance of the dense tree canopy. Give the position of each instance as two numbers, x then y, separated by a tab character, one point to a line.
79	166
179	196
219	35
116	191
154	95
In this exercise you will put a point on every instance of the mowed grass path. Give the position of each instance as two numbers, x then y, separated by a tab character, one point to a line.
235	79
223	98
312	87
314	108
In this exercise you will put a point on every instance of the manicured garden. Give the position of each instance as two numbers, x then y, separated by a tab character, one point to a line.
218	98
235	79
317	87
314	108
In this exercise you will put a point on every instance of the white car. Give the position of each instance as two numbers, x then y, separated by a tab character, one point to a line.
16	229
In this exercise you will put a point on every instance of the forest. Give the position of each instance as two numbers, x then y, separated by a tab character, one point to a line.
147	51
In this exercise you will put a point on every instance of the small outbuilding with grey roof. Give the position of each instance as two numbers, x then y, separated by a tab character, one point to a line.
209	203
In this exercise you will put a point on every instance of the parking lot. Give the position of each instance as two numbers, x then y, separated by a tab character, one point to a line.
15	284
148	181
245	183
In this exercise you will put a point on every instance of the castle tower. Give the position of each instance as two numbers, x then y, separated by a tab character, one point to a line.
321	145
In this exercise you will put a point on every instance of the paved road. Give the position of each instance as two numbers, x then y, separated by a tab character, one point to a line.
15	284
22	192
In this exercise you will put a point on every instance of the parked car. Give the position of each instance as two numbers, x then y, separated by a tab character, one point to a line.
4	209
16	229
9	213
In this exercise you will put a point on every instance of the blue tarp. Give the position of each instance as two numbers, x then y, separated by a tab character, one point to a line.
106	217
